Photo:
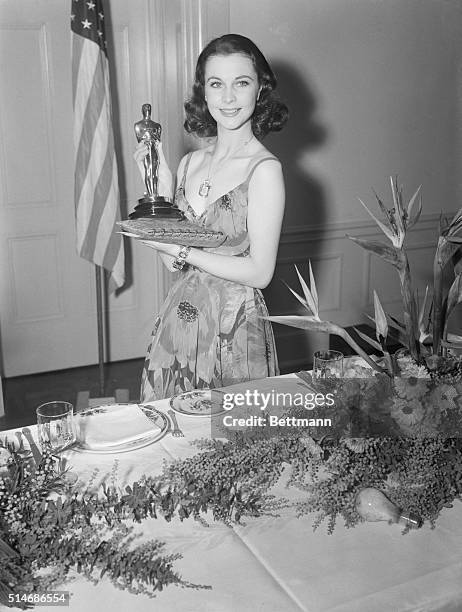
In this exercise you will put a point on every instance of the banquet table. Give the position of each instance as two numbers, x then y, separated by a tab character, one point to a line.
278	564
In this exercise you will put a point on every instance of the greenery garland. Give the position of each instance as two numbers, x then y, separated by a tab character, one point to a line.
224	480
47	525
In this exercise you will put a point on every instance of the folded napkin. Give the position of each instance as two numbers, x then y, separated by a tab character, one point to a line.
113	425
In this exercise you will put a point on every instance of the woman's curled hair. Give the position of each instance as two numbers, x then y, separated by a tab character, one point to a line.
270	113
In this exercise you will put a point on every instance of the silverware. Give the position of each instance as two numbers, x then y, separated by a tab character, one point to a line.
176	432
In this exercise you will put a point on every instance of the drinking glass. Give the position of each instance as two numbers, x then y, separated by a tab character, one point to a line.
55	426
328	364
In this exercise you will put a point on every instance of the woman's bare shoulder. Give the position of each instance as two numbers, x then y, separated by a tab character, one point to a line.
262	153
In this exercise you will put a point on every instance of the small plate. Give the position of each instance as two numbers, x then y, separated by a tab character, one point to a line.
156	416
196	403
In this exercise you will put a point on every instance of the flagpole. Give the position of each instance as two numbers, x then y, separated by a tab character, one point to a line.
99	314
97	202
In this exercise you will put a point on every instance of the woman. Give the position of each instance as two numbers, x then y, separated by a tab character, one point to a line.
209	332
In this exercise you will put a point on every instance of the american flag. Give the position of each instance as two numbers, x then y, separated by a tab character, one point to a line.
97	202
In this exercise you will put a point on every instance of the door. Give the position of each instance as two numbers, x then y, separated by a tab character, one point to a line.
47	293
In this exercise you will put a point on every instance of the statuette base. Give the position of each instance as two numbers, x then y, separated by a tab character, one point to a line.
158	206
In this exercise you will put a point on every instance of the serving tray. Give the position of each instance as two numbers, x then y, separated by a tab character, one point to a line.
182	232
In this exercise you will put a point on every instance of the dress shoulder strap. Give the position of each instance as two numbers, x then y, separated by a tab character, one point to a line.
185	171
260	161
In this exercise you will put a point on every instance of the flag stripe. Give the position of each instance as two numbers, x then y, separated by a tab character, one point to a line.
94	170
96	184
91	144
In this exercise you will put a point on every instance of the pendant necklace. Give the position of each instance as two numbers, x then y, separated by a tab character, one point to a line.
206	184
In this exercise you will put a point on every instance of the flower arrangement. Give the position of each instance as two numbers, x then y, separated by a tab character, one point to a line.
423	329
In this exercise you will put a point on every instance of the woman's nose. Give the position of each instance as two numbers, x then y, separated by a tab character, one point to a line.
228	94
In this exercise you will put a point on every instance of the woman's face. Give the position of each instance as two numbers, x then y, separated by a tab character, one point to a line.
231	89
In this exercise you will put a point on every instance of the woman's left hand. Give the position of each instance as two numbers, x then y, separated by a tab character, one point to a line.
167	248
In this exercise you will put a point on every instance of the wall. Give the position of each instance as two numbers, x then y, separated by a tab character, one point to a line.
374	90
373	87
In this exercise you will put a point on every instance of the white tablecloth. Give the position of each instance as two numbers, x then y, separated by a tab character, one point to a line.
280	564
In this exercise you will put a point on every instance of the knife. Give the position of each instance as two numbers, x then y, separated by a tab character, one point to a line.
33	446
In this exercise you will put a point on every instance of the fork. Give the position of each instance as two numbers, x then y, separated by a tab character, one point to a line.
176	432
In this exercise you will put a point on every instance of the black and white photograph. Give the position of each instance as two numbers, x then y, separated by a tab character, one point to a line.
231	305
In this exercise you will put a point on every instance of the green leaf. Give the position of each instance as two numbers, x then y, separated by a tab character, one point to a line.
444	251
313	287
454	295
394	192
387	231
303	322
366	338
398	323
423	308
299	297
308	295
413	200
382	206
381	322
410	206
456	223
398	202
388	253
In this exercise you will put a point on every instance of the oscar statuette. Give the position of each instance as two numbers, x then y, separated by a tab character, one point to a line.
152	204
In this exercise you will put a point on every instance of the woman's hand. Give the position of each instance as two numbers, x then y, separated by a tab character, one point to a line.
168	249
165	179
168	252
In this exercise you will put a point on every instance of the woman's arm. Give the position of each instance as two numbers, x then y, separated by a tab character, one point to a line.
264	221
167	259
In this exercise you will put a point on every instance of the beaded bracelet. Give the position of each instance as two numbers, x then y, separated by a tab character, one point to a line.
180	259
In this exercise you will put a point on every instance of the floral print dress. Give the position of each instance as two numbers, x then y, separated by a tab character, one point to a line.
209	333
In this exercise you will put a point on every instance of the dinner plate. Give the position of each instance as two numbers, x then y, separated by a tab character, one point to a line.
197	403
160	427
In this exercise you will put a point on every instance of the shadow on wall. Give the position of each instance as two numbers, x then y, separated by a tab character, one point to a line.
305	207
305	200
302	134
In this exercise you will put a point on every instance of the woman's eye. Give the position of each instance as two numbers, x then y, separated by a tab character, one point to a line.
242	83
214	84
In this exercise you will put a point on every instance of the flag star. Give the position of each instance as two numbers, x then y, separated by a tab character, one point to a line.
72	17
86	24
91	5
99	33
101	15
